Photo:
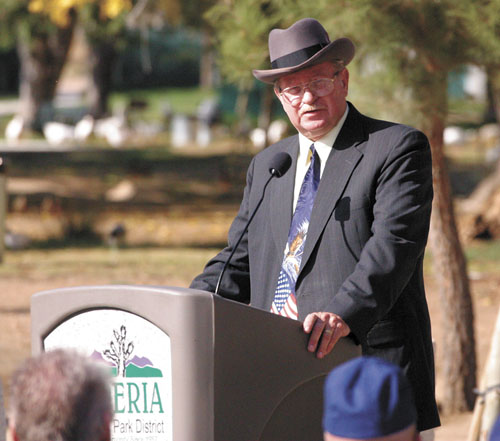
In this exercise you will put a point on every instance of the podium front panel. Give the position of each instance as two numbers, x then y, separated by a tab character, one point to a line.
262	369
156	390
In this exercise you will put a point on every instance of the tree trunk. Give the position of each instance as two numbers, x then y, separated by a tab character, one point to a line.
42	58
207	61
266	106
241	110
493	109
102	61
458	345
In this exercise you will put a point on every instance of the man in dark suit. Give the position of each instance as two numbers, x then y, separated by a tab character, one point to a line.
352	266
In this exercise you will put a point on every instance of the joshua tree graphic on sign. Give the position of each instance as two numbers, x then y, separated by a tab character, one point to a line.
120	352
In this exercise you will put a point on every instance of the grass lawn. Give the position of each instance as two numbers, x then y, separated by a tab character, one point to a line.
137	265
181	100
107	265
484	256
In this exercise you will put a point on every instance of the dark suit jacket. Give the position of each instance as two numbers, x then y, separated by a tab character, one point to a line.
364	248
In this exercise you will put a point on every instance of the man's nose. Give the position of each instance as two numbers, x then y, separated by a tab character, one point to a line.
308	96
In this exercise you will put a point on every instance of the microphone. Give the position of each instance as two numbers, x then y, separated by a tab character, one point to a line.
278	166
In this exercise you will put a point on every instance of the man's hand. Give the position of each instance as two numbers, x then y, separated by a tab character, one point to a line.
325	328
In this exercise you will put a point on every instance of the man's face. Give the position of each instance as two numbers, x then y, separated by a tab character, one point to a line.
314	116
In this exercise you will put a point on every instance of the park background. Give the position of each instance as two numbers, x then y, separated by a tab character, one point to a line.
127	127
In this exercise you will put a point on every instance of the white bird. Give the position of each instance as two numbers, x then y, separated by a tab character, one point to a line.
113	129
453	135
258	137
14	128
276	131
84	128
57	133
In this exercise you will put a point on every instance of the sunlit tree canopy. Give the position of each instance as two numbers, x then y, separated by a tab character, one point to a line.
58	10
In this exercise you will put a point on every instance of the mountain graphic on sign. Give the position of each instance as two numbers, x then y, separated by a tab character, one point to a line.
137	367
118	357
140	361
147	371
97	356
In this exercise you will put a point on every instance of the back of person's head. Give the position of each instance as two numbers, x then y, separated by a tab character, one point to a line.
60	396
368	399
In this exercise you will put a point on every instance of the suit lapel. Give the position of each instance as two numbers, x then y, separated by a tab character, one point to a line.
340	165
281	190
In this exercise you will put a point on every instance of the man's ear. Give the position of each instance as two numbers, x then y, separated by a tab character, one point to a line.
276	89
344	79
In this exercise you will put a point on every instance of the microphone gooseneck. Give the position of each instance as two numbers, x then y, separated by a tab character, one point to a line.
278	166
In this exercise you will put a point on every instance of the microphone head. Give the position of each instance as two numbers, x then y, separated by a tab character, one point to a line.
279	164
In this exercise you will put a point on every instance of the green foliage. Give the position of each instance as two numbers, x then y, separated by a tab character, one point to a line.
481	20
405	48
98	28
193	12
405	51
8	12
17	22
242	29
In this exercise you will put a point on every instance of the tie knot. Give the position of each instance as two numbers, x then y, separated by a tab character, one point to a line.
310	155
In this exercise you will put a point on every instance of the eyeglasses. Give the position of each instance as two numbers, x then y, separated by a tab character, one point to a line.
319	87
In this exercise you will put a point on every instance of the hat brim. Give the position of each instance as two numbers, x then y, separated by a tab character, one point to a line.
339	51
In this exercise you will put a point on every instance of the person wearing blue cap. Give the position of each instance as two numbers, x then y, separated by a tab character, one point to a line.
495	431
368	398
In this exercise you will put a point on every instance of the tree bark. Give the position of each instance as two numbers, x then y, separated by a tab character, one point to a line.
207	61
241	110
42	59
266	106
493	108
102	61
458	345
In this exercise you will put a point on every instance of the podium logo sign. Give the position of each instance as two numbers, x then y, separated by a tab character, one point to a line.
138	355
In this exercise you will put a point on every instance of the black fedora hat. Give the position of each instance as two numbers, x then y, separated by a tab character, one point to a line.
303	44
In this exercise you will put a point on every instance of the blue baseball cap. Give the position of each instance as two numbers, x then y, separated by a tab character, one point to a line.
367	397
495	431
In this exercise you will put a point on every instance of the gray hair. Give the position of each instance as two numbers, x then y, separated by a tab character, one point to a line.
60	396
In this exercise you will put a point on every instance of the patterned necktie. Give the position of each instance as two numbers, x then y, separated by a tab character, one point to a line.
285	303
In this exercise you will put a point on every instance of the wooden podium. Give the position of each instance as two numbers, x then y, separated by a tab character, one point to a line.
191	366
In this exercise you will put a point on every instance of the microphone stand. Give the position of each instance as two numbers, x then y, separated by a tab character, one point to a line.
274	173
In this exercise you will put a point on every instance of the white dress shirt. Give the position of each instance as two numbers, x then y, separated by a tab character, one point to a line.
323	146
